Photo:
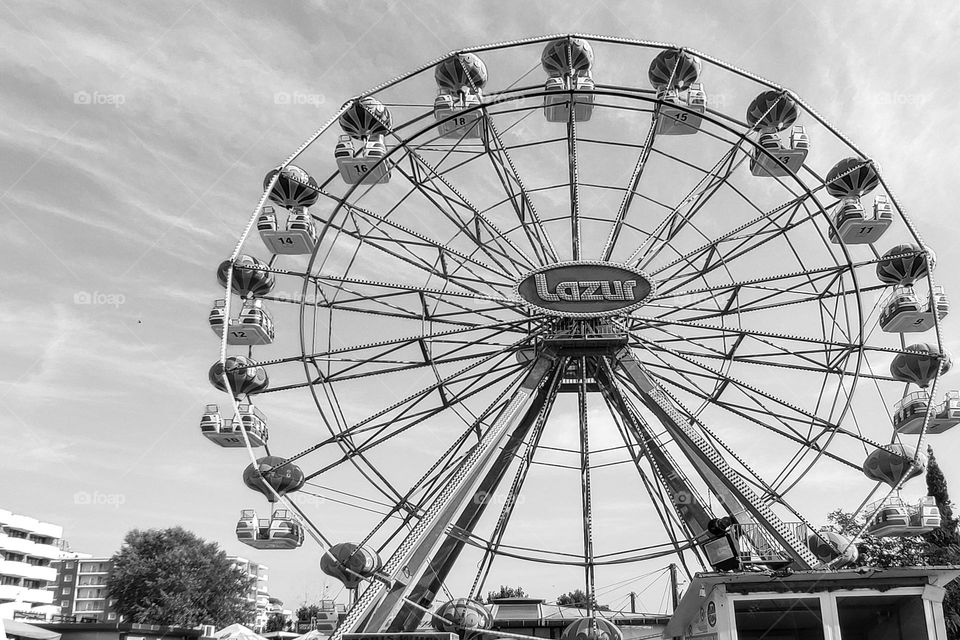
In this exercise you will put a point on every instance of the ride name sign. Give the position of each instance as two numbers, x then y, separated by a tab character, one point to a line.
585	289
405	635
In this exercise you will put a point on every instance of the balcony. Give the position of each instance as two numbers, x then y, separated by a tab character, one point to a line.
30	525
28	547
29	571
32	596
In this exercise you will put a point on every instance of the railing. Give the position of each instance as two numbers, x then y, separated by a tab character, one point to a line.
761	546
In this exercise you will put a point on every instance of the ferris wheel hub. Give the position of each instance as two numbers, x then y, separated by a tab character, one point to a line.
585	289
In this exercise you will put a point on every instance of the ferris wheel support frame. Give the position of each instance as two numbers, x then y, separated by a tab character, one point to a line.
710	464
376	606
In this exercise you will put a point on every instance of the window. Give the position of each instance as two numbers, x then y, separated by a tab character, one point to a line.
64	604
8	580
794	618
887	617
65	592
68	577
111	616
69	565
31	584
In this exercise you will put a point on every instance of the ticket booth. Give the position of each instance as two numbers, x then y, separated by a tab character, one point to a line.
903	603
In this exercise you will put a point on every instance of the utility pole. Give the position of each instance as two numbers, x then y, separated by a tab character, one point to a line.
633	602
674	591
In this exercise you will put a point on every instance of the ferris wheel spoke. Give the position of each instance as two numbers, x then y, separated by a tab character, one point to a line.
784	408
416	303
472	376
450	335
759	416
516	193
765	404
816	285
632	187
335	280
713	259
447	254
574	179
353	369
693	202
767	226
818	356
425	179
447	264
586	494
472	228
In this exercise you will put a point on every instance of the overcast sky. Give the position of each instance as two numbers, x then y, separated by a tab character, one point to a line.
133	142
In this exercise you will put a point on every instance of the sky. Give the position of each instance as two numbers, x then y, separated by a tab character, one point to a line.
133	145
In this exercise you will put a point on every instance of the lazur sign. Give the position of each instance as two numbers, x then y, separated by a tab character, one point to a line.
585	289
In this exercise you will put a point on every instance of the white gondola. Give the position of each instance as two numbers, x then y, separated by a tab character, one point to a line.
556	105
225	432
464	123
298	237
891	520
855	227
360	161
792	157
926	516
904	312
677	121
911	411
253	326
898	519
211	422
280	531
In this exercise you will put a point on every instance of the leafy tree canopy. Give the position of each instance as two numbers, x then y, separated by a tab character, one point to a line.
172	577
578	598
506	592
277	622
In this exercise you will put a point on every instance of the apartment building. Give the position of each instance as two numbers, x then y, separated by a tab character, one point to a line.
28	547
258	595
81	589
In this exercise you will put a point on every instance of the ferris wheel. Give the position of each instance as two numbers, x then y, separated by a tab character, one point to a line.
571	304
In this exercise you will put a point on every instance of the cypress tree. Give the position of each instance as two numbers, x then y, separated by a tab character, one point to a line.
946	534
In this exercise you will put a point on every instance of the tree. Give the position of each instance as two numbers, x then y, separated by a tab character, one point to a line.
875	551
308	612
579	599
172	577
946	534
506	592
277	622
